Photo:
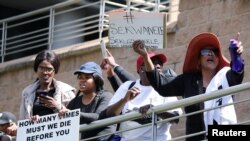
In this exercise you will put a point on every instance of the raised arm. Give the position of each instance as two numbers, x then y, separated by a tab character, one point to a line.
235	76
116	73
114	81
139	47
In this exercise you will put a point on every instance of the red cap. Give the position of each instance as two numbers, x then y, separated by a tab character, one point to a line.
140	60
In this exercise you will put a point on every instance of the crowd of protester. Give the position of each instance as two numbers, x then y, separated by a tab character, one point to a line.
205	70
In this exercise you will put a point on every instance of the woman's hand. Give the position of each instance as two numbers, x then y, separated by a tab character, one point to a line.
239	45
49	102
35	118
62	112
240	48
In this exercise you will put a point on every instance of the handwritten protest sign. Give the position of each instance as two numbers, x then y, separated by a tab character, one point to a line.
50	128
126	27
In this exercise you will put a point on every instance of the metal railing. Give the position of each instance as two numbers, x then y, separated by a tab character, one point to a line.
64	24
165	107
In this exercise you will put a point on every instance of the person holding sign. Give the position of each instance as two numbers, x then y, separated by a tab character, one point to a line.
46	95
139	96
205	70
91	99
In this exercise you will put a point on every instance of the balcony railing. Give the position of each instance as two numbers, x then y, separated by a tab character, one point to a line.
235	90
64	24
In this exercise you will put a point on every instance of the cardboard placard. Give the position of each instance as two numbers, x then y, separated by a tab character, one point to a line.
126	27
50	128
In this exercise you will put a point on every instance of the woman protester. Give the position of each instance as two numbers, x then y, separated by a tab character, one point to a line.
91	99
205	70
46	95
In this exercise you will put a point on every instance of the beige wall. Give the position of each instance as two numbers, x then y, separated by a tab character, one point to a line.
223	17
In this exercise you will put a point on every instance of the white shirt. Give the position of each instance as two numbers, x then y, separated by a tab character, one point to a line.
147	96
224	115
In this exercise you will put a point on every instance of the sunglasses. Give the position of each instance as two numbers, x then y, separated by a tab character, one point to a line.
45	69
209	52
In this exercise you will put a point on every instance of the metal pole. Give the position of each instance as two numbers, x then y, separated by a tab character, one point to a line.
154	126
101	18
4	32
128	5
101	24
51	28
157	5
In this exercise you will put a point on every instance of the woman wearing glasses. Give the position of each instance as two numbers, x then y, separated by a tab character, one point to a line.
46	95
205	70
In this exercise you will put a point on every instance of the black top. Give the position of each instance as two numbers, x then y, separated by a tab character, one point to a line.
38	108
90	112
187	85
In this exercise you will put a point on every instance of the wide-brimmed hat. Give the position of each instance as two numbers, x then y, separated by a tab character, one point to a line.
7	117
159	56
90	68
193	51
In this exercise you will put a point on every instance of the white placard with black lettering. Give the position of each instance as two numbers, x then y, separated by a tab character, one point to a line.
126	27
50	128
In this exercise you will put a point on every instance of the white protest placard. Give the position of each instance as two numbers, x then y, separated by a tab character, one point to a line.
126	27
50	128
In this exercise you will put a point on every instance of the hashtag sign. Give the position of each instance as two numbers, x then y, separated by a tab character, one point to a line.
129	17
